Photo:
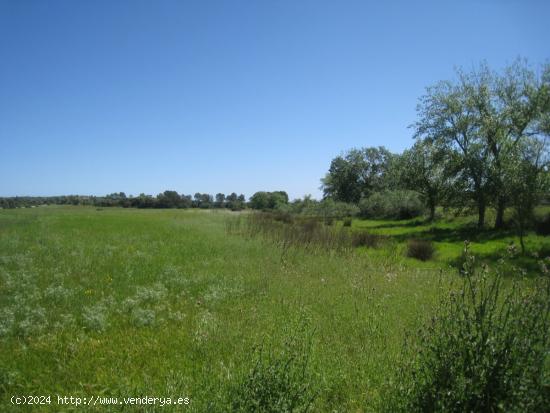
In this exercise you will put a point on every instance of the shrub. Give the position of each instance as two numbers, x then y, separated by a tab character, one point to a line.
327	209
483	351
95	317
392	205
347	222
420	249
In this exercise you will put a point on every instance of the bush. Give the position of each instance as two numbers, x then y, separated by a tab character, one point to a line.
327	209
392	205
347	222
484	351
420	249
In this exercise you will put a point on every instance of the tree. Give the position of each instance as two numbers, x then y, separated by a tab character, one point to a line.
144	201
480	119
448	121
527	177
423	170
356	174
168	199
508	108
268	200
220	200
203	200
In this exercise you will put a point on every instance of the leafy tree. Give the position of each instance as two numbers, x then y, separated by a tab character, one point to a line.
144	201
356	174
235	202
398	204
220	200
479	120
448	121
527	178
203	200
231	200
268	200
508	108
186	201
168	199
423	170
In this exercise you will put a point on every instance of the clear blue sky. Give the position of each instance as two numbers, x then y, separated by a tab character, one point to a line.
222	96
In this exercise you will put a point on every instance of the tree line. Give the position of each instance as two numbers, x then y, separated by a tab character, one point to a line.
480	141
261	200
166	199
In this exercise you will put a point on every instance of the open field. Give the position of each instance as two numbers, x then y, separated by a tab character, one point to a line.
165	303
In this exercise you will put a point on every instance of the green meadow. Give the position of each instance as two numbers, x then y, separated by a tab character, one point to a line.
167	303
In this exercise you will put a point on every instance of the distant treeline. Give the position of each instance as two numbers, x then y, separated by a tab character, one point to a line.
166	199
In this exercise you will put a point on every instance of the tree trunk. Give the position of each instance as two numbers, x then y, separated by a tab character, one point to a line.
501	206
521	238
432	211
481	213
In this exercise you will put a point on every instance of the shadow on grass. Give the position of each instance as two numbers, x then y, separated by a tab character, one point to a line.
454	235
458	234
520	265
404	224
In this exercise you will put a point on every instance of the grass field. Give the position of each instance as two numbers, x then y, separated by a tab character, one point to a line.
448	235
165	303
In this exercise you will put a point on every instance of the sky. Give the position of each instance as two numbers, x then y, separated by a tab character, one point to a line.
229	96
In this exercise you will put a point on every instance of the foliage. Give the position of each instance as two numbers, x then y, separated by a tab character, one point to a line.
478	121
527	180
484	350
400	204
424	171
357	174
268	200
166	199
327	209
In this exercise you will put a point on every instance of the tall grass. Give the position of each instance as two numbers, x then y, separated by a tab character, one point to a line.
311	233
